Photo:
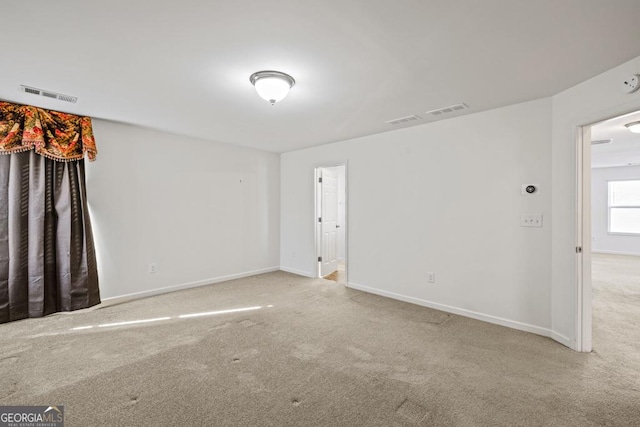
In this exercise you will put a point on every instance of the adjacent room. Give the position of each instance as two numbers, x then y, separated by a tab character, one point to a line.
409	213
615	236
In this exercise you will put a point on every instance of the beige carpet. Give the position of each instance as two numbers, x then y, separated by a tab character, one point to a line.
323	355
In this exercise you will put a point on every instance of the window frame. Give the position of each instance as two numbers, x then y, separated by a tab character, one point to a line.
619	233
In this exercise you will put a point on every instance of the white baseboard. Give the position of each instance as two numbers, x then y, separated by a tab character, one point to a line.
298	272
615	253
467	313
152	292
442	307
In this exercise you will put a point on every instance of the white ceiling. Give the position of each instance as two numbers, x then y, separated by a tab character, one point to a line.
184	66
624	150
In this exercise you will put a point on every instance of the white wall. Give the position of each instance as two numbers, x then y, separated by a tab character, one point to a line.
200	210
602	241
433	229
586	103
442	197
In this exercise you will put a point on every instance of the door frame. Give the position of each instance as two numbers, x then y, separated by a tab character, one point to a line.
584	288
584	323
316	205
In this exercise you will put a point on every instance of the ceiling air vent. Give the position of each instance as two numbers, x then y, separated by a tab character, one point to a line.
602	141
447	110
48	94
403	120
31	90
67	98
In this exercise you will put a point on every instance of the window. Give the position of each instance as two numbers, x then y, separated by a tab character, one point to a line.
624	207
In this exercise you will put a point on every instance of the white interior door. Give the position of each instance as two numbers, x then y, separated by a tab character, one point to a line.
329	221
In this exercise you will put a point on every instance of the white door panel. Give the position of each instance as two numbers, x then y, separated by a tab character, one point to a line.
329	221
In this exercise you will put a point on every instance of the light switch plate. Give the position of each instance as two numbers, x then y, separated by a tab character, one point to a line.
531	220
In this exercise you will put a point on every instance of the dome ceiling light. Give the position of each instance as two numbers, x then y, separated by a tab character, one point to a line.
633	127
272	86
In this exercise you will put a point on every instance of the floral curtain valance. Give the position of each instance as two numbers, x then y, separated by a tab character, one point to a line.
58	136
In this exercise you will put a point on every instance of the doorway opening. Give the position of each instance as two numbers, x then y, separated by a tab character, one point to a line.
609	235
331	222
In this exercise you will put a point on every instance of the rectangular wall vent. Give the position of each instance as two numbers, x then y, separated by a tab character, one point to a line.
447	110
48	94
402	120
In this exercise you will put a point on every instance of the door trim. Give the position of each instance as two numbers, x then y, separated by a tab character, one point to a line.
584	323
316	193
584	288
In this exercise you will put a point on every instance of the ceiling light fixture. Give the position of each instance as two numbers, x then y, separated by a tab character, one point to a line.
602	141
633	127
272	86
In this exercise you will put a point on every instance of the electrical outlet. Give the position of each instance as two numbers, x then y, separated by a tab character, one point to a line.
431	277
153	268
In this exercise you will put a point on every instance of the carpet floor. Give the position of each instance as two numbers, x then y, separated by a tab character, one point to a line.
311	352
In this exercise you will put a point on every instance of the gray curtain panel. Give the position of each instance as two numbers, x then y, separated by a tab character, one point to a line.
47	254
